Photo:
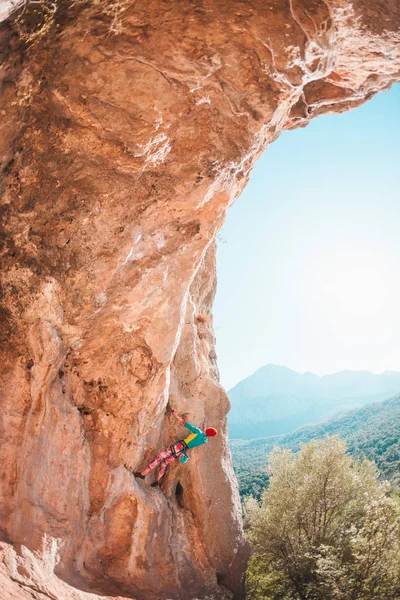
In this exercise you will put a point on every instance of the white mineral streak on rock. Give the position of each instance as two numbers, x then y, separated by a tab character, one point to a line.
135	254
160	240
7	7
101	299
217	64
156	150
204	100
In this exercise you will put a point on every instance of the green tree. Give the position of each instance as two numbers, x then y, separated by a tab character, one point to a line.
326	529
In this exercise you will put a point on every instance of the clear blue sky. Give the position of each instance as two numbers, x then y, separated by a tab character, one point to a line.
309	265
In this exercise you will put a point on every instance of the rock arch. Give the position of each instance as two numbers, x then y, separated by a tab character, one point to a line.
120	156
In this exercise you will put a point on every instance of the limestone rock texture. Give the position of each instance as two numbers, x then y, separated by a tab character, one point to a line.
124	137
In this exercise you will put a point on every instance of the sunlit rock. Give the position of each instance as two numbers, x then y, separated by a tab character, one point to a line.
120	155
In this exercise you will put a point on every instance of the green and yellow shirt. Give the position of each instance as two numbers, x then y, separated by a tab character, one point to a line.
197	437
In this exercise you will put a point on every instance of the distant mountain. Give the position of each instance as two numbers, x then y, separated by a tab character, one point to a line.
372	432
276	400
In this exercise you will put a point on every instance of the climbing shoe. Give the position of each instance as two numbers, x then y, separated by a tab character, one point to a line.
138	474
155	483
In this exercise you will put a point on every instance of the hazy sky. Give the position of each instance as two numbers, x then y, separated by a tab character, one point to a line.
309	265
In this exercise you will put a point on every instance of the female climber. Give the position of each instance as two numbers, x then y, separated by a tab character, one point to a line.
197	437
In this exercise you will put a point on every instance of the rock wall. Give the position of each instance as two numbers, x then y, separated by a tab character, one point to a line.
120	155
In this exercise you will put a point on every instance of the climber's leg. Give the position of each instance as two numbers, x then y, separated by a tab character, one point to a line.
163	468
156	461
163	455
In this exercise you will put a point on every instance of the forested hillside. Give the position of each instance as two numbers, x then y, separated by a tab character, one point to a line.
276	400
372	432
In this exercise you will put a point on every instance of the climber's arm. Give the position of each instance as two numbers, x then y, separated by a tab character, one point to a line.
182	421
191	428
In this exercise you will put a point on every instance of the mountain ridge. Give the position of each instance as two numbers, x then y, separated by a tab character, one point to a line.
371	432
276	399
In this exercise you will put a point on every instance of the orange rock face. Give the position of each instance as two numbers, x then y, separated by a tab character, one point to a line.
120	155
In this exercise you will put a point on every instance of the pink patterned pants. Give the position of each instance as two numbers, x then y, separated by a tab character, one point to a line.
164	458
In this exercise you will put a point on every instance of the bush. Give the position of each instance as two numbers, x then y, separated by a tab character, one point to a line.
326	529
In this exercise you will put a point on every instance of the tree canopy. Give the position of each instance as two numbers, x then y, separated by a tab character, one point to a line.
371	432
325	529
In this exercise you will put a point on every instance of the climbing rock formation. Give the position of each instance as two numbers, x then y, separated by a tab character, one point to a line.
120	155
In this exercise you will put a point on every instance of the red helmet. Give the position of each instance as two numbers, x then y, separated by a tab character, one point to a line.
211	431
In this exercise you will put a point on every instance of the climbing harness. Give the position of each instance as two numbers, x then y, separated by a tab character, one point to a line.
175	452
